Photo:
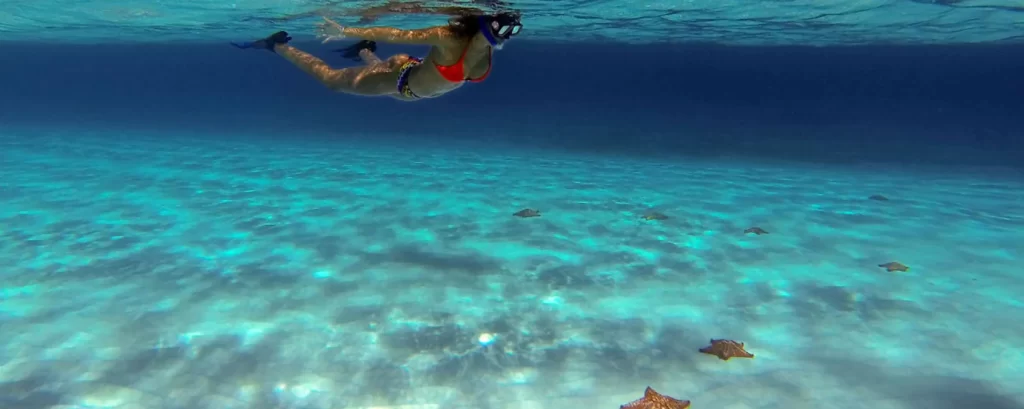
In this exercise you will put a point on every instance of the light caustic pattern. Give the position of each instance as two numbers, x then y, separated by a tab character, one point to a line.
174	273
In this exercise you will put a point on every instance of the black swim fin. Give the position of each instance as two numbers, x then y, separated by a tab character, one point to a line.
280	37
352	52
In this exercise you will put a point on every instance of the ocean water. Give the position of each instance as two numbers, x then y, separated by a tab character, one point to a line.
184	225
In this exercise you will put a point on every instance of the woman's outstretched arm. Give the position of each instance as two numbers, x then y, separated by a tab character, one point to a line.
330	30
437	36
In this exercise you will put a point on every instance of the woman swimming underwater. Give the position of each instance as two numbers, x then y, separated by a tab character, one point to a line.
459	52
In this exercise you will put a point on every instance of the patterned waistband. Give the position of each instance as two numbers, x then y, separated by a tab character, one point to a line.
403	77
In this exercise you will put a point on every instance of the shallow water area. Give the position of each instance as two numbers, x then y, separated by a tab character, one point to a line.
210	273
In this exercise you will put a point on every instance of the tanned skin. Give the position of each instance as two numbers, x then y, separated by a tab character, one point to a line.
380	77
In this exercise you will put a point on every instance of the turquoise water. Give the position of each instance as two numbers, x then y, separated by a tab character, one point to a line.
748	22
187	225
201	272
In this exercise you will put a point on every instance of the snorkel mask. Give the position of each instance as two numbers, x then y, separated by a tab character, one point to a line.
500	28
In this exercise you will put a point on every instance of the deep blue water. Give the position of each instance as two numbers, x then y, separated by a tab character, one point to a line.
940	105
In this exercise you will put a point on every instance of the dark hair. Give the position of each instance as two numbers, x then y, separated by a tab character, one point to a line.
465	25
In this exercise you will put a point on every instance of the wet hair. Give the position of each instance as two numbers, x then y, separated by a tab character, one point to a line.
465	25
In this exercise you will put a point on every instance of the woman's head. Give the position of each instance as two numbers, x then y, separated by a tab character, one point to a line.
495	28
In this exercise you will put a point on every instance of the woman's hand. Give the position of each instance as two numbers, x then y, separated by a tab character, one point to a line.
329	30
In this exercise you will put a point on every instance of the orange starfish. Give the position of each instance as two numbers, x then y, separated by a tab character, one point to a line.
894	266
755	230
527	213
725	349
655	400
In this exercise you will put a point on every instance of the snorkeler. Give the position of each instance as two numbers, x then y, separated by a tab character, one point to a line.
460	51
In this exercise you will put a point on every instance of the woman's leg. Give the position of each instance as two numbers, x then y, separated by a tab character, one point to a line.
367	80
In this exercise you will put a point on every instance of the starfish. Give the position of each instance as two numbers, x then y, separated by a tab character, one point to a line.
527	213
756	230
725	349
895	266
654	216
655	400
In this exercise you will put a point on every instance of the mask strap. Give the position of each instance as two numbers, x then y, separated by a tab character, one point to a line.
485	29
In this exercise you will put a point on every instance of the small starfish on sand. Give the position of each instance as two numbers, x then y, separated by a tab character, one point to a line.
527	213
756	230
654	216
655	400
894	266
726	348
